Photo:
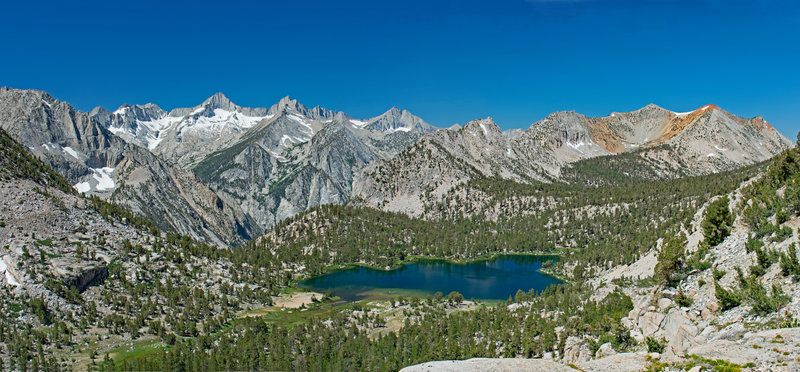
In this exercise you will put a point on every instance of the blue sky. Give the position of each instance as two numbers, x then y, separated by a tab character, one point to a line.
446	61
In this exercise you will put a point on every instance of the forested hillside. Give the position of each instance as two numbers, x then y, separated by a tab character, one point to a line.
88	278
595	226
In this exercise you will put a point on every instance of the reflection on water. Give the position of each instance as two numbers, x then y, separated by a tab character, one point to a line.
494	279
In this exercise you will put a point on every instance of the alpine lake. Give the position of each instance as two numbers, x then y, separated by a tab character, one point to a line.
491	279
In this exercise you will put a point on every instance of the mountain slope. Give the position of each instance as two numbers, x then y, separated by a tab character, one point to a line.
97	162
652	143
300	158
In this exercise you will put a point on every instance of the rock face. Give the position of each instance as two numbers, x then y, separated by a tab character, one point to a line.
273	163
79	273
97	162
299	158
444	159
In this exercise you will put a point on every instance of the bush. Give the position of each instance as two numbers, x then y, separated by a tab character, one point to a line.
790	264
682	300
654	345
717	224
727	299
764	304
671	260
782	234
753	244
455	297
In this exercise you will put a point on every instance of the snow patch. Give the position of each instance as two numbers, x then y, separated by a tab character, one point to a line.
149	130
9	278
508	151
71	152
683	113
358	123
103	178
401	129
711	155
577	146
483	127
220	120
705	107
720	148
152	143
46	103
293	140
120	111
82	187
278	156
302	122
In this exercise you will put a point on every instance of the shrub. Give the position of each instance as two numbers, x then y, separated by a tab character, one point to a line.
717	224
790	264
671	260
654	345
682	300
727	299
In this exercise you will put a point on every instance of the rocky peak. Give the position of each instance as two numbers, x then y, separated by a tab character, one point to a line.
101	115
560	126
650	107
482	127
146	112
395	119
287	104
560	117
759	123
99	110
219	100
216	102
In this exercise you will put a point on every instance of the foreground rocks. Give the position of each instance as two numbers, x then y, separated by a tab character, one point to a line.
490	365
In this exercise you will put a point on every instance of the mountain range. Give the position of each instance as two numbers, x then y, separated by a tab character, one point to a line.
224	173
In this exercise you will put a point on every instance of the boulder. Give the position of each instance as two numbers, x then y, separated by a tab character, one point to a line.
605	350
731	332
679	331
616	363
575	350
650	322
637	335
664	303
79	273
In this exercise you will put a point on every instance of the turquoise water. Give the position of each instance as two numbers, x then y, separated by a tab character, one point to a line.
493	279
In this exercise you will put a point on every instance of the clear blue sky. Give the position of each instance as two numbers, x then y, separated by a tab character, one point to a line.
446	61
